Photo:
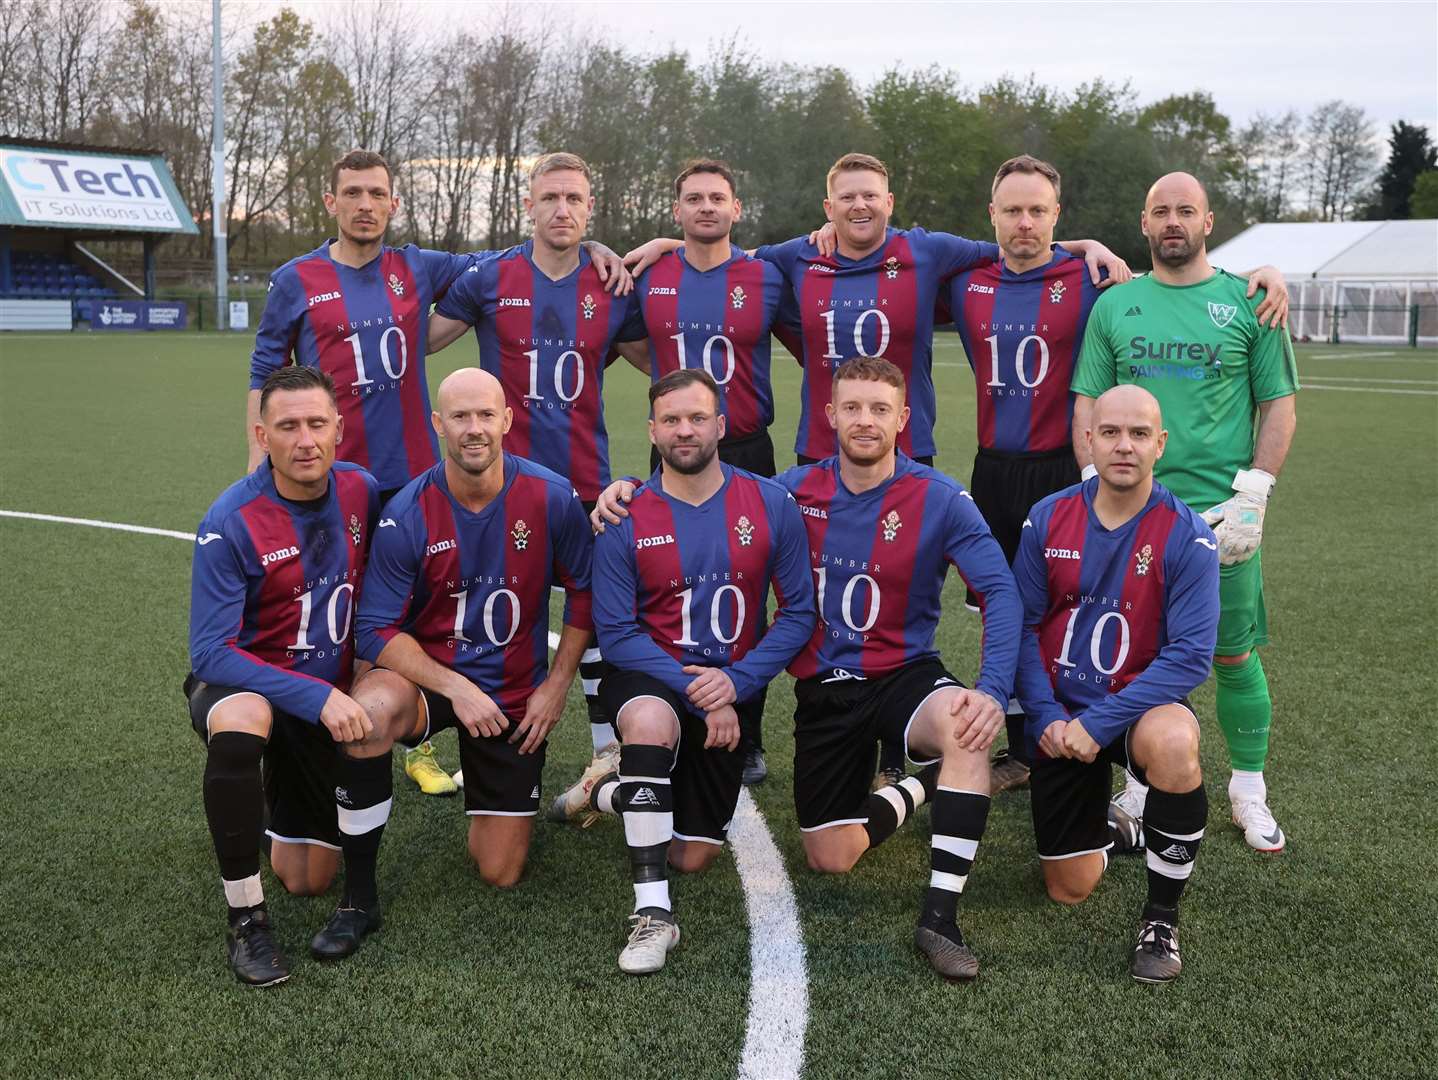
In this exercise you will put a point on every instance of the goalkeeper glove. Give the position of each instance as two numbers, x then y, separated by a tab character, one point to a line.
1089	472
1238	523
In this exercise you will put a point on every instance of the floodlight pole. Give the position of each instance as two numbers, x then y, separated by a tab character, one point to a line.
217	215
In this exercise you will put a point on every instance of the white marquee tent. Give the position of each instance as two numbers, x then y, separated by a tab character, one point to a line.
1350	280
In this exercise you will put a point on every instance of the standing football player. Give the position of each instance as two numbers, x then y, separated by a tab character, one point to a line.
708	304
681	587
457	624
357	310
1021	321
1119	580
278	564
547	330
1189	334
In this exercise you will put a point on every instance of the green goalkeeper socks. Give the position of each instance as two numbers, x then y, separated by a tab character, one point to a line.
1245	711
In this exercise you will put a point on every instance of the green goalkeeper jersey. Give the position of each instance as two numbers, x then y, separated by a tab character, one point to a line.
1200	350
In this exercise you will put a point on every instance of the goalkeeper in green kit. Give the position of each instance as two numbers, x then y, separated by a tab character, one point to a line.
1187	333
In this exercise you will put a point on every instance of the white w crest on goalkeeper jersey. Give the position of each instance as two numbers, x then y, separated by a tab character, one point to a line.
1221	314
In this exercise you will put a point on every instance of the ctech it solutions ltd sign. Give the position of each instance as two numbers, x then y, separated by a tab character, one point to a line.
59	187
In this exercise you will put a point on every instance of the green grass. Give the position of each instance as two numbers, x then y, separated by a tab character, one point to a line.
1310	963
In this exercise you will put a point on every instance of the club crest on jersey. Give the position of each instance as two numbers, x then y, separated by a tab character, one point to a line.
1144	557
520	532
892	525
1221	314
1056	292
396	285
354	530
745	528
588	306
891	267
737	298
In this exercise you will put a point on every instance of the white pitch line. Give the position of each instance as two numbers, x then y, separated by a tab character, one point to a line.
778	983
1375	382
1350	355
1368	389
117	526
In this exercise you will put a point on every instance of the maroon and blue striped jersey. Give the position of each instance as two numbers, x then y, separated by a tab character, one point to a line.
676	584
719	320
274	587
879	560
473	589
365	328
880	305
1116	621
548	342
1022	334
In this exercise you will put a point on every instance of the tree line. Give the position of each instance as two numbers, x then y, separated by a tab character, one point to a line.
461	113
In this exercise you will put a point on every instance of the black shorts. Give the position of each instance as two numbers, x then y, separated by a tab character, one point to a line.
837	728
499	781
1006	486
1070	798
705	783
752	453
298	768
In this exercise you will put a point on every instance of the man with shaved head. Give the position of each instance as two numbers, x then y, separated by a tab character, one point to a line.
1188	334
1119	580
456	620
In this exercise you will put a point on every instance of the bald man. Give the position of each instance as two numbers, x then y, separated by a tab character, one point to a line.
455	616
1188	333
1119	580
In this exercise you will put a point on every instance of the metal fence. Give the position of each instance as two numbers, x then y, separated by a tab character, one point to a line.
1373	312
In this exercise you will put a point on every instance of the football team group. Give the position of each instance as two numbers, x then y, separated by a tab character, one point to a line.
384	570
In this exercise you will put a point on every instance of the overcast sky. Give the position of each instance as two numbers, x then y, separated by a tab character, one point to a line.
1251	56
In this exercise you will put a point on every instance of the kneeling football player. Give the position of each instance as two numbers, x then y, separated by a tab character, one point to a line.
457	623
1119	580
883	532
278	563
680	591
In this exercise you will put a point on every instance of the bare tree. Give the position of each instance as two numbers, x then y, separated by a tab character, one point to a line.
1340	157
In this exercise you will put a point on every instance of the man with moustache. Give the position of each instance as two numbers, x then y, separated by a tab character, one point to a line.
1189	334
457	625
681	588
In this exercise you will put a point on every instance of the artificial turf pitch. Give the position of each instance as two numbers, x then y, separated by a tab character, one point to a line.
1318	961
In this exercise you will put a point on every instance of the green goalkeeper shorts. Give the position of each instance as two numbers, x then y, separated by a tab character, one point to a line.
1242	619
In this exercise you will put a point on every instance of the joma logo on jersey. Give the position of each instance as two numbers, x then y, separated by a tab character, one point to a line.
281	555
653	541
814	511
987	290
660	290
322	297
1140	348
1061	553
513	301
443	545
